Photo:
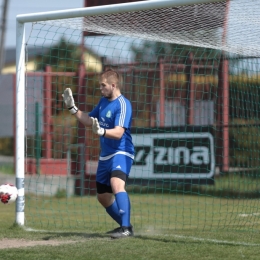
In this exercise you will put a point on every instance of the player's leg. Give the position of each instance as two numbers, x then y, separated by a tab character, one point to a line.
118	179
105	194
120	171
106	198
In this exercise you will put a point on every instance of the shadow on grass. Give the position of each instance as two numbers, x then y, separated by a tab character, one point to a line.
53	235
163	238
48	234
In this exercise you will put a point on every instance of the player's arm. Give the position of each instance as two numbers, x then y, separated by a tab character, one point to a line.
70	104
115	133
121	125
85	119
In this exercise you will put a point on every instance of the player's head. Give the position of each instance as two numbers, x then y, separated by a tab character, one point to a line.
110	82
112	77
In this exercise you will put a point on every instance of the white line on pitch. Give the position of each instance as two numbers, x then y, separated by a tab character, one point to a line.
208	240
177	236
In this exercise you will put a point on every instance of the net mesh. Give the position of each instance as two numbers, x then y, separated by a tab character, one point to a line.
195	119
223	25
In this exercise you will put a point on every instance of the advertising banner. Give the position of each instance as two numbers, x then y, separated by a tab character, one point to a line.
173	155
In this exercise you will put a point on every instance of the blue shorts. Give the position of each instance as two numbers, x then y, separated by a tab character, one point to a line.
119	162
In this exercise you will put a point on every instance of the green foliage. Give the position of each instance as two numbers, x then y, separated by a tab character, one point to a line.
7	146
244	144
149	51
61	193
64	56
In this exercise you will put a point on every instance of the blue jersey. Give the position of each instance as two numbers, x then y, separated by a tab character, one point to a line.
117	112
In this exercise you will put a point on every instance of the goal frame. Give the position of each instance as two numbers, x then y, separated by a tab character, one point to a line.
21	20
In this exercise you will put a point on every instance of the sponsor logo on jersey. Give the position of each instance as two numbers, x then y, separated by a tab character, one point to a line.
103	124
108	115
103	119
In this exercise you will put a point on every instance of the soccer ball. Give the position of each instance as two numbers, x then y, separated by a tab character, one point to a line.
8	193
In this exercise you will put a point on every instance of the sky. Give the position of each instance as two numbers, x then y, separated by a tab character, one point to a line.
241	27
16	7
107	47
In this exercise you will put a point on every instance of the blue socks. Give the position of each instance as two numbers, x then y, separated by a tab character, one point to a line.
120	209
124	208
113	211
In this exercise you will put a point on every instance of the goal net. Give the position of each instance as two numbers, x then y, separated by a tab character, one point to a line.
191	71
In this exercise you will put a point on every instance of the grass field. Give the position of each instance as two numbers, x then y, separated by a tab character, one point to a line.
166	227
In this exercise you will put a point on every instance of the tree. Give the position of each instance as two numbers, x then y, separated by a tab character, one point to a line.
63	56
149	51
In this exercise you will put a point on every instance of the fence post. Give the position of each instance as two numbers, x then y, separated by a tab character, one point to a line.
37	137
222	134
47	113
190	96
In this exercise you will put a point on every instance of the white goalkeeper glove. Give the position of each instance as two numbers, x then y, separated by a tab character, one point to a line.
69	101
96	127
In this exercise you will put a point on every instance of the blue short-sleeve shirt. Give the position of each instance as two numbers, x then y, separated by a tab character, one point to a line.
117	112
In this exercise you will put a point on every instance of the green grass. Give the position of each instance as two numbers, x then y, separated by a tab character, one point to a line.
7	168
192	222
166	226
150	212
230	185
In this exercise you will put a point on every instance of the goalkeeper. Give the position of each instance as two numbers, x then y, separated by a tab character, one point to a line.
111	120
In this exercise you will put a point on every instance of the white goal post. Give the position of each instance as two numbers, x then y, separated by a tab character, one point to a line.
180	31
20	69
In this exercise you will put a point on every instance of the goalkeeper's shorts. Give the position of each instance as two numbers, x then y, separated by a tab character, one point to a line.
119	162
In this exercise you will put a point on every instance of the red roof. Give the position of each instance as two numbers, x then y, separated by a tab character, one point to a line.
89	3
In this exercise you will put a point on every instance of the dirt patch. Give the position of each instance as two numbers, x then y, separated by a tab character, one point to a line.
17	243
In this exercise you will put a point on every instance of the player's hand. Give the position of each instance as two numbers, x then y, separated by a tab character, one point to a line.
96	127
69	101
